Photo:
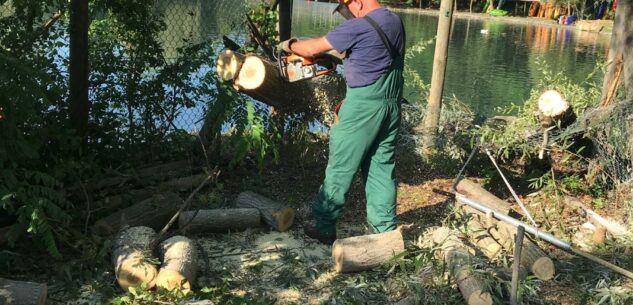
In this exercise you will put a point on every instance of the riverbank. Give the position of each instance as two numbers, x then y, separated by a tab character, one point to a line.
607	25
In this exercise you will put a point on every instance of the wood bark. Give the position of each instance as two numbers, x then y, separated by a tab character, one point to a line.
179	268
131	257
480	236
458	259
432	116
22	293
125	198
532	257
361	253
78	69
183	183
276	215
260	79
475	192
153	212
621	44
219	220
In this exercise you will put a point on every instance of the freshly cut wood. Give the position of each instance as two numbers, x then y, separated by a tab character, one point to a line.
125	198
183	183
365	252
228	64
219	220
273	213
458	259
22	293
153	212
260	78
532	257
475	192
131	257
179	268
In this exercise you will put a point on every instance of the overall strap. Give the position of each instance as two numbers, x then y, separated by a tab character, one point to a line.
390	47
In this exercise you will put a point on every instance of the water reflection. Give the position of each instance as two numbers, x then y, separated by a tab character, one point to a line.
490	63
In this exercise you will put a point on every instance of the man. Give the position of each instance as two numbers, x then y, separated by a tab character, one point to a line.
365	135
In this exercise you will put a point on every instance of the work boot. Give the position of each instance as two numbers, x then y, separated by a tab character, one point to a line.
311	231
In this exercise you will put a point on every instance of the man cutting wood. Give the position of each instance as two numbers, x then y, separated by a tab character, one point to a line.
365	134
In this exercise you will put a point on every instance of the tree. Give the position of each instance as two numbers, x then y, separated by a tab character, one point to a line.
620	62
78	70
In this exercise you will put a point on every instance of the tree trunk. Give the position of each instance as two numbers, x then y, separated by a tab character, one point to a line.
480	236
22	293
432	117
125	199
220	220
532	257
78	69
180	266
260	79
153	212
475	192
285	19
183	184
131	258
621	44
458	259
277	216
361	253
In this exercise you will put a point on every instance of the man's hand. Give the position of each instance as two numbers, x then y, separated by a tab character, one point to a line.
285	45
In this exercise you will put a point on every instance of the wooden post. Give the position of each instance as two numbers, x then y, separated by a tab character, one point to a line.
516	268
432	117
285	19
78	69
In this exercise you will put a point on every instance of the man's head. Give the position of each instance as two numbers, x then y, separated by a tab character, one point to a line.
355	8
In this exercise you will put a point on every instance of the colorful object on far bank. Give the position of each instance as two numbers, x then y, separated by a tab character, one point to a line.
498	12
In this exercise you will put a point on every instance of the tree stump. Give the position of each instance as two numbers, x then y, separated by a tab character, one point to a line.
219	220
180	264
22	293
458	259
131	257
153	212
366	252
273	213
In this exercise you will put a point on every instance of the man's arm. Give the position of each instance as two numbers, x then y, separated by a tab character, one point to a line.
311	47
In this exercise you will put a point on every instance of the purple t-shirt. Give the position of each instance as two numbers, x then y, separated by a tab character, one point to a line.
367	57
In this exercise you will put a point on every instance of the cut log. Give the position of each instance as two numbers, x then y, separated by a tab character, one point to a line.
532	257
22	293
228	64
458	260
153	212
131	257
552	106
273	213
480	236
126	198
260	79
179	268
219	220
365	252
184	183
475	192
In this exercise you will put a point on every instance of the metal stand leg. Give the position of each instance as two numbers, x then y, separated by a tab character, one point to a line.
518	244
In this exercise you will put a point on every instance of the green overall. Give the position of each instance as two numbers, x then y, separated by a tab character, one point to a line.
365	137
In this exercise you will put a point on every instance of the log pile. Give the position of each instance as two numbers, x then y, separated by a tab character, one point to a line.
131	257
361	253
22	293
458	260
153	212
260	79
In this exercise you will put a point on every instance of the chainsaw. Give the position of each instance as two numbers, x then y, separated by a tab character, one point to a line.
294	68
